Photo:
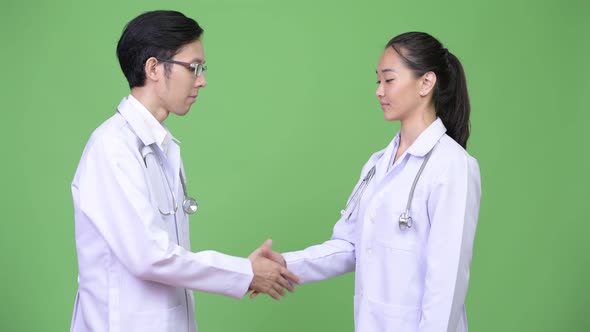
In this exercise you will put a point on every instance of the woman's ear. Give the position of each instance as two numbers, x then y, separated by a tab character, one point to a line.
427	83
152	69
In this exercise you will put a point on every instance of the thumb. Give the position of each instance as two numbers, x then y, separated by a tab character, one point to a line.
266	247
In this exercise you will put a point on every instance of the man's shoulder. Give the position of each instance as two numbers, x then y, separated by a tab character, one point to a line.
113	134
112	142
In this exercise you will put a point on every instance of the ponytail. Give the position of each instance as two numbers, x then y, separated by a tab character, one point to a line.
451	101
423	53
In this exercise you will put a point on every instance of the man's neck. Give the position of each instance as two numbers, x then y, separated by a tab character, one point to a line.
149	100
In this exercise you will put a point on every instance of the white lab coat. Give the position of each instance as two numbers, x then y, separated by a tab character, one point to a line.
414	280
136	270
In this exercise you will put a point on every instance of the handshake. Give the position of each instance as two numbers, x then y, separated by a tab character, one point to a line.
270	273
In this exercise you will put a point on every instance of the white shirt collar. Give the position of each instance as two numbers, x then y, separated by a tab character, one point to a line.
157	131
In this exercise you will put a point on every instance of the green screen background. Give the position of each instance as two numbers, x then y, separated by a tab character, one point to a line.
276	141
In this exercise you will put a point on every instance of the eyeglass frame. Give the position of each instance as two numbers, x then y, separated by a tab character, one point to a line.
197	68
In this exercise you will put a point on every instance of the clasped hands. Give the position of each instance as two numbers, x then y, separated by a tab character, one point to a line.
270	273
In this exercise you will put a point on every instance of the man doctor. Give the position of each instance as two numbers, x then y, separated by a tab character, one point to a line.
136	270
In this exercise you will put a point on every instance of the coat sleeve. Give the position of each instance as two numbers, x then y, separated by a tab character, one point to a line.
331	258
453	208
113	194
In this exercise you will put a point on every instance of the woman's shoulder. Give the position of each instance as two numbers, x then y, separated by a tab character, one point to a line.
449	154
452	150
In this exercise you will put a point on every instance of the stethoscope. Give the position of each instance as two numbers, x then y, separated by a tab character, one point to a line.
405	219
189	204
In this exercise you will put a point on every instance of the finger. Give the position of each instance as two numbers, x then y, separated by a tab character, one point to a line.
274	294
266	253
286	284
290	275
254	294
254	254
265	247
278	288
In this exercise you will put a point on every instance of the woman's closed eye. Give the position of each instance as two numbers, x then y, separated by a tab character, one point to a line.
386	81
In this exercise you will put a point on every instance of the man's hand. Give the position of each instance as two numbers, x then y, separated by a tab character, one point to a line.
270	277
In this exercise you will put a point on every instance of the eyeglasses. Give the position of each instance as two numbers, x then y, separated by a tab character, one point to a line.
196	68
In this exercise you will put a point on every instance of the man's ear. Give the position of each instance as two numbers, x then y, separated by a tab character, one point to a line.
427	83
152	70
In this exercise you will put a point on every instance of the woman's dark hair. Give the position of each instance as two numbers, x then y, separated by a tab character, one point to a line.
423	53
159	34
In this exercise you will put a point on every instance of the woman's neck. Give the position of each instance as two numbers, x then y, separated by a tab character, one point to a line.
412	127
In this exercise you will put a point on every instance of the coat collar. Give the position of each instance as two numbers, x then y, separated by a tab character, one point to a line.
427	139
145	126
424	143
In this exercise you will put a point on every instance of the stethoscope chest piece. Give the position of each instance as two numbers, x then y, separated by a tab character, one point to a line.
190	206
405	221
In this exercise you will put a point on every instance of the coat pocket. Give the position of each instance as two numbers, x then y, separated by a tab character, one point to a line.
162	320
390	318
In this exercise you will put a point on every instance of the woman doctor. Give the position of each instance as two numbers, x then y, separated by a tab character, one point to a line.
411	251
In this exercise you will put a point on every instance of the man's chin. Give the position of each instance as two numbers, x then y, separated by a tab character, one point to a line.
183	112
